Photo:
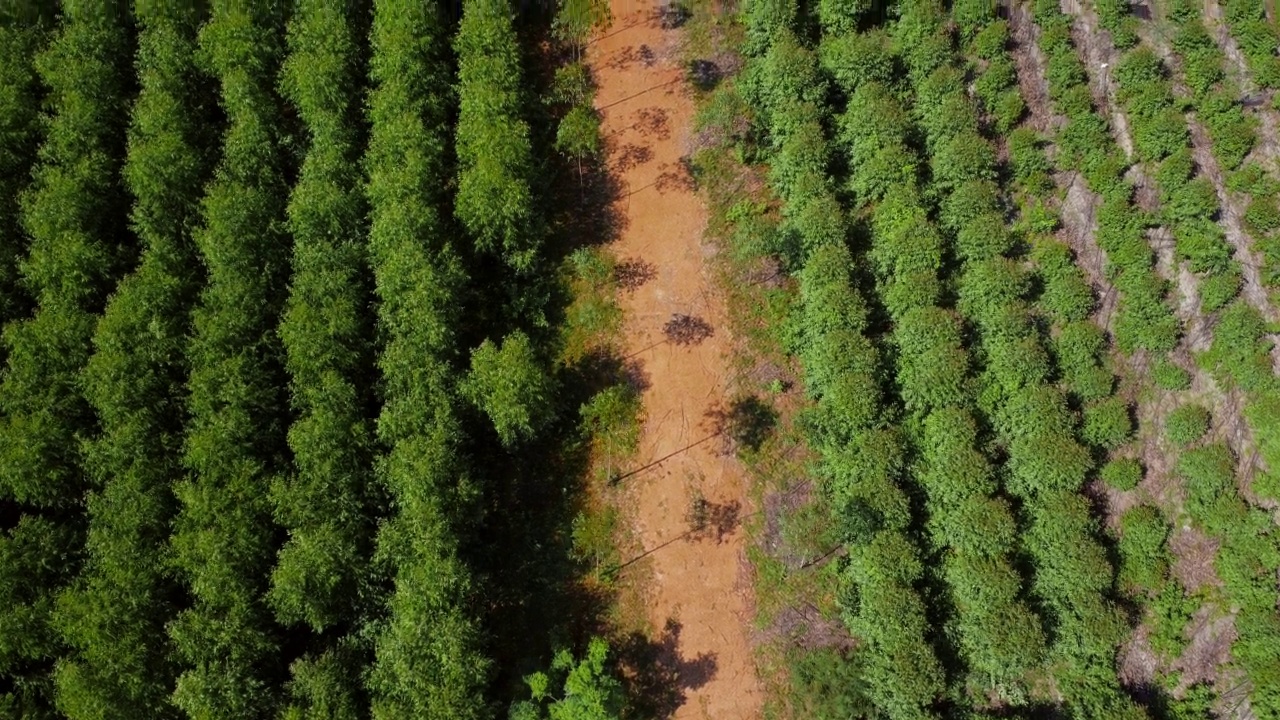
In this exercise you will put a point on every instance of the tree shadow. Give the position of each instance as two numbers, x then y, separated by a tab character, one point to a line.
704	75
672	15
657	677
746	423
652	122
676	177
631	155
711	521
633	273
686	330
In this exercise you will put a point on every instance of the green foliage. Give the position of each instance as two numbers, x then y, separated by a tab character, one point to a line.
1218	290
1169	612
224	536
511	386
115	614
583	689
1158	126
1066	295
854	59
1186	424
1257	39
1234	134
1240	354
842	16
1144	557
327	686
610	418
578	134
327	502
427	658
903	676
1121	473
1169	376
765	20
827	684
495	200
773	83
20	132
1107	423
73	212
577	19
1115	17
991	40
1031	167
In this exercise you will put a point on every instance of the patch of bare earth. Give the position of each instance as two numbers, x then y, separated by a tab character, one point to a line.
686	499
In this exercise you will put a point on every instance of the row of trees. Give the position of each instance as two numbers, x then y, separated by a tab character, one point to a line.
1189	201
23	32
114	617
1045	465
73	215
328	499
863	451
1232	129
1000	640
428	655
1144	320
1257	37
230	468
224	539
1248	553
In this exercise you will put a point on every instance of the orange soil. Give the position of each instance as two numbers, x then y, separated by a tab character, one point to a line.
696	584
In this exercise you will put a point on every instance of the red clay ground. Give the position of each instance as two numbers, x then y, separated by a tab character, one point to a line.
697	597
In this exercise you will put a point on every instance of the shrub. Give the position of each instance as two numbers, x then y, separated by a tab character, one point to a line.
1121	473
1187	424
1144	558
991	41
1168	376
1219	289
1107	423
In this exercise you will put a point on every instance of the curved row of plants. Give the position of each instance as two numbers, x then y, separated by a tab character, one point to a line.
121	663
971	527
1143	319
1249	557
224	536
23	32
853	426
1257	39
1189	204
941	436
1033	421
1249	542
327	500
73	216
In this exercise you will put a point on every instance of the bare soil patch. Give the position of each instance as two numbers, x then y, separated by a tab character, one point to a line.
687	498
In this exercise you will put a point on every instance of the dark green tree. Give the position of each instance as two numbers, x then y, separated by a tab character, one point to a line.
327	500
428	663
114	616
74	213
495	200
224	538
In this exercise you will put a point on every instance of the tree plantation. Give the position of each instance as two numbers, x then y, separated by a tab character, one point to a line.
318	398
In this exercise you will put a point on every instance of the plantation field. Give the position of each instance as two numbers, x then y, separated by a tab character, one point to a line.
586	360
1033	305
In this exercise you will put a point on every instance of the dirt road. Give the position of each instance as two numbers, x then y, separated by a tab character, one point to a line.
697	595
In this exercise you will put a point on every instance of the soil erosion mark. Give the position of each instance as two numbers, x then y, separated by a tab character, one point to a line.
698	594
